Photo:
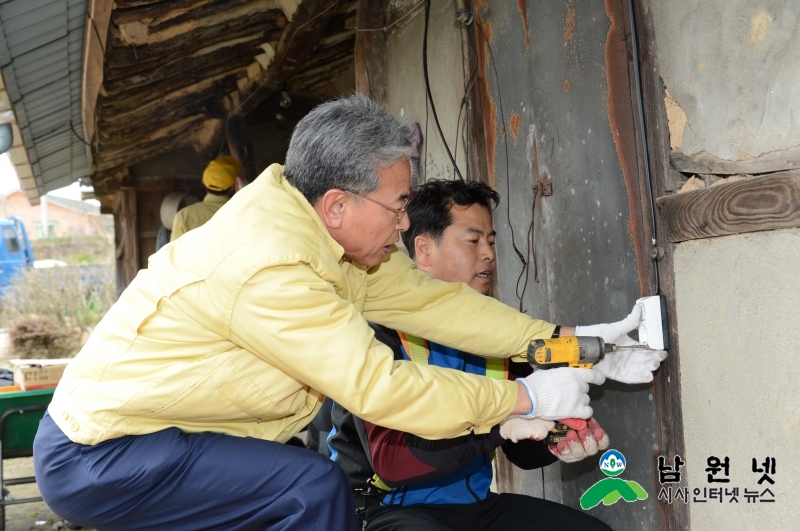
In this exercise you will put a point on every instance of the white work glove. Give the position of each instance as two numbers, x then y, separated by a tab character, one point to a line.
630	365
627	365
613	332
561	393
516	428
584	440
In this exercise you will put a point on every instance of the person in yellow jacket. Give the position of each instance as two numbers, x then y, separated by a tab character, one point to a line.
218	178
172	415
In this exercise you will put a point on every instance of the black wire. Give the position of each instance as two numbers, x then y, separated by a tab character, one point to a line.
74	132
505	144
637	77
428	88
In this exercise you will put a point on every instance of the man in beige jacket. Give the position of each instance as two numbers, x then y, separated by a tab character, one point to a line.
219	178
171	415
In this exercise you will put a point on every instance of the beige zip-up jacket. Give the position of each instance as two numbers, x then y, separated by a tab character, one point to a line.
196	215
243	326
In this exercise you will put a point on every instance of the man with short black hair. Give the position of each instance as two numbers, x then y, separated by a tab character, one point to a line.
441	485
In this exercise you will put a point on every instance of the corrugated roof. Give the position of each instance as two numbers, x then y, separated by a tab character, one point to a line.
41	48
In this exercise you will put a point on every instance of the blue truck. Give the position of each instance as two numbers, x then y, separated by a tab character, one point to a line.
15	250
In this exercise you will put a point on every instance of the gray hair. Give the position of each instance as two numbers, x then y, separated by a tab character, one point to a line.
342	144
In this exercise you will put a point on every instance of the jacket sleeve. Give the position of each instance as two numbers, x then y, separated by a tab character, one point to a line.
295	321
401	458
404	459
404	298
178	227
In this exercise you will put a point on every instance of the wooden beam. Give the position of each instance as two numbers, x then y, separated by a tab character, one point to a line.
95	35
132	14
703	163
300	37
242	49
667	381
119	55
120	110
767	202
370	54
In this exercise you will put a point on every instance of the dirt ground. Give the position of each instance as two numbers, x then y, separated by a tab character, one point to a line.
27	516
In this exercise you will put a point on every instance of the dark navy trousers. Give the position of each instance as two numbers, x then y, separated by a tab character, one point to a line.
179	481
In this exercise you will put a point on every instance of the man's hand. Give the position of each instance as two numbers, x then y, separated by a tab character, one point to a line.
560	393
627	365
613	332
631	365
516	428
584	440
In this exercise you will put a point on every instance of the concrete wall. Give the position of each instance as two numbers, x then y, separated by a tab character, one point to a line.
406	84
738	314
733	66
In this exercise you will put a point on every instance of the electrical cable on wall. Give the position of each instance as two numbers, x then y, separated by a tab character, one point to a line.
466	17
428	89
638	79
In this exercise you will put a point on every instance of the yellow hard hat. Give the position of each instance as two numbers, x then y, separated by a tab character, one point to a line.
220	174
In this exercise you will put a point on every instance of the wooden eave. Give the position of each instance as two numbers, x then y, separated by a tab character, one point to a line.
160	75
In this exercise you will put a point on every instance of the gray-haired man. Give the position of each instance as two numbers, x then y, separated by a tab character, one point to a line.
171	415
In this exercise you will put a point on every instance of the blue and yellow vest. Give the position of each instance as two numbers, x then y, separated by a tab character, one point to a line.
470	483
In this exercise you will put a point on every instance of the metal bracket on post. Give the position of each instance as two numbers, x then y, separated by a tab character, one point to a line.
543	186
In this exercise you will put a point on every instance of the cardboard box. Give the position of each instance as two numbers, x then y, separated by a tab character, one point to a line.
38	374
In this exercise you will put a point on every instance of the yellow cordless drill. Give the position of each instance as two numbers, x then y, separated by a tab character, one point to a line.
568	351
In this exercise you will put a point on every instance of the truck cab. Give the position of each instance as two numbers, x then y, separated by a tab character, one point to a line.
15	250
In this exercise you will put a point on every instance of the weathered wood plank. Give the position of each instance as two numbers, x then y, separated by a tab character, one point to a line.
760	203
242	50
145	102
124	4
771	162
370	56
172	78
308	26
119	55
127	242
151	10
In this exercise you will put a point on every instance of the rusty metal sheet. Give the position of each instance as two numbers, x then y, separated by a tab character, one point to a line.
567	119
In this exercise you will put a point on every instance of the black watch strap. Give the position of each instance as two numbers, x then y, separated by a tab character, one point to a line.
556	332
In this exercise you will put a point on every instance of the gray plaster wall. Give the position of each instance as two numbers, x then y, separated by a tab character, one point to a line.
406	98
738	315
734	68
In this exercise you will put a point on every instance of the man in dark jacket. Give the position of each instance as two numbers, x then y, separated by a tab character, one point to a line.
405	482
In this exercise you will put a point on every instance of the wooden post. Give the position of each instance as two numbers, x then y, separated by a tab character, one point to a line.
126	238
370	53
667	395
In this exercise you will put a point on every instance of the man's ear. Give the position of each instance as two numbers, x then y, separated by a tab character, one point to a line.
423	247
331	207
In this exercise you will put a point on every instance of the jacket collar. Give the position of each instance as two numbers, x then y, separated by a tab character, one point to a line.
276	170
216	199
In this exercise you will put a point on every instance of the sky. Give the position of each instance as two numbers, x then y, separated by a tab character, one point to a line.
9	182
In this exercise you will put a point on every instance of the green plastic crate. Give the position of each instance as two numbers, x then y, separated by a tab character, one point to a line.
20	430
